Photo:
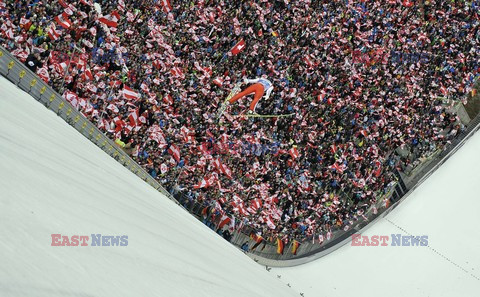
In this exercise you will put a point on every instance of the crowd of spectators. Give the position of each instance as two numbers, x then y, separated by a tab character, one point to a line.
152	75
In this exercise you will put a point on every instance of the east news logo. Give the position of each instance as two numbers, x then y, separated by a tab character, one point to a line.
83	240
383	240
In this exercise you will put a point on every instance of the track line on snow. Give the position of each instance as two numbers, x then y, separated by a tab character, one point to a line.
436	252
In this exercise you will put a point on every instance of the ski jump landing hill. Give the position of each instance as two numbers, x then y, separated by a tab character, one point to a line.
53	180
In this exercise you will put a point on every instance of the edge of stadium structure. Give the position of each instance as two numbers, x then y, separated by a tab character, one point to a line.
23	78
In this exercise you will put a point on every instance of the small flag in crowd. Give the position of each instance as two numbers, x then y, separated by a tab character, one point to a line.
295	246
110	20
166	5
279	246
53	33
63	20
240	46
130	94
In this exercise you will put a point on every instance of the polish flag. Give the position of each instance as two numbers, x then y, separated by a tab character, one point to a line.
92	88
63	20
87	75
43	74
53	33
166	5
256	204
71	97
113	108
9	33
270	223
177	72
25	23
21	54
168	99
133	118
294	152
240	46
407	3
224	221
130	94
68	11
218	81
111	19
175	152
202	184
222	168
443	90
63	3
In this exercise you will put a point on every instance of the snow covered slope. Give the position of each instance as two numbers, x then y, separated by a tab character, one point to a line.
54	181
446	209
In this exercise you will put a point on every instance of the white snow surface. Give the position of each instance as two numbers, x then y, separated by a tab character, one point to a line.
55	181
445	208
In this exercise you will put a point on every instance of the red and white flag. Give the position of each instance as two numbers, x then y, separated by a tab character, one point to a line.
9	33
168	99
133	118
71	97
222	168
113	108
87	75
204	183
63	20
53	33
43	74
256	204
166	5
294	152
175	152
130	94
240	46
177	72
63	3
21	54
25	23
270	223
218	81
224	221
111	19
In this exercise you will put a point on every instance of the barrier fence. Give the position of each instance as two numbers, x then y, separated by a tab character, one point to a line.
17	73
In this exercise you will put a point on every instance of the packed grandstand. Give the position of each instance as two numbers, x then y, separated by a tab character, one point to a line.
360	81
